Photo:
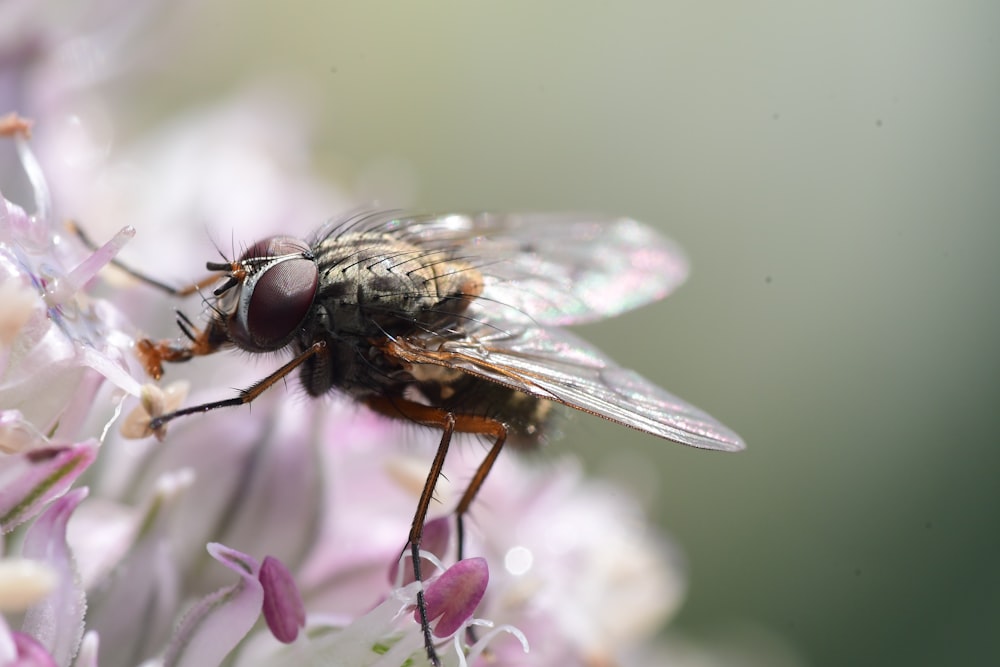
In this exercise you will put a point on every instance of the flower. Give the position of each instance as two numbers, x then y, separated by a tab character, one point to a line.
572	564
235	477
58	347
305	504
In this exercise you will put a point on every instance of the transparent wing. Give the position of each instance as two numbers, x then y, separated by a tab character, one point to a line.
552	269
554	364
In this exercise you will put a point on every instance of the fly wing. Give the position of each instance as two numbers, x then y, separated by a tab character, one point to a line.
553	269
554	364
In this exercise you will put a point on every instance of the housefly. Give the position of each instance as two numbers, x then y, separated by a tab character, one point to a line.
453	322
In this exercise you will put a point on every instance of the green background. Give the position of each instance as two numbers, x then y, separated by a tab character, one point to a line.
833	172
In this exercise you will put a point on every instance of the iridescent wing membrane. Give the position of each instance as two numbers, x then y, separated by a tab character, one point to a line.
540	271
554	269
554	364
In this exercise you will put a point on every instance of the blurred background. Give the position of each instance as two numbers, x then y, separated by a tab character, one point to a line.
832	170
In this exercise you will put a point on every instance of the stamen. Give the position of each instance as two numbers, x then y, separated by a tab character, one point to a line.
455	595
153	402
284	610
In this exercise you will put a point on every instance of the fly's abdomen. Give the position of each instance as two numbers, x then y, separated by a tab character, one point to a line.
526	417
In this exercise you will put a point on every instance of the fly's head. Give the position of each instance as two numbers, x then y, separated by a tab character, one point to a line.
266	298
268	294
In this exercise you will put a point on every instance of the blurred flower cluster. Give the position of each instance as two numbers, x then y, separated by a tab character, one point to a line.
251	536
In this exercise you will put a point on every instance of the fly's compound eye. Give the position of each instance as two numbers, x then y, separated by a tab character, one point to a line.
276	294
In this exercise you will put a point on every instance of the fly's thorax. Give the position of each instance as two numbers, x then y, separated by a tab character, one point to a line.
373	284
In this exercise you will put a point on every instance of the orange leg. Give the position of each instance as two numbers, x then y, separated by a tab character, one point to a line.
449	423
200	342
152	353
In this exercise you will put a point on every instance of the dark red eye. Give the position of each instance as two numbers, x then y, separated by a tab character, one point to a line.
276	295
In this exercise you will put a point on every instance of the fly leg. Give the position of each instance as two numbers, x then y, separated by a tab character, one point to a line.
200	342
246	395
449	423
499	433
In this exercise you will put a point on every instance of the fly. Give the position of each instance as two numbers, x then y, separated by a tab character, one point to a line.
453	322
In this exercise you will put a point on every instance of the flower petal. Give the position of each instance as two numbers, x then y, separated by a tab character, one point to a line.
375	639
261	469
18	306
57	621
18	435
145	584
87	657
8	648
280	478
56	347
30	653
23	582
28	481
217	623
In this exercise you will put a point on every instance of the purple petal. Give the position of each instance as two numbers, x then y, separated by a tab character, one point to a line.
106	360
16	223
279	478
29	481
455	595
59	338
283	608
30	653
261	469
144	585
217	623
57	621
87	270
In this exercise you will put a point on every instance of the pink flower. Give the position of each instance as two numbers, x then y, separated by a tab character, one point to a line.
305	504
313	488
57	348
